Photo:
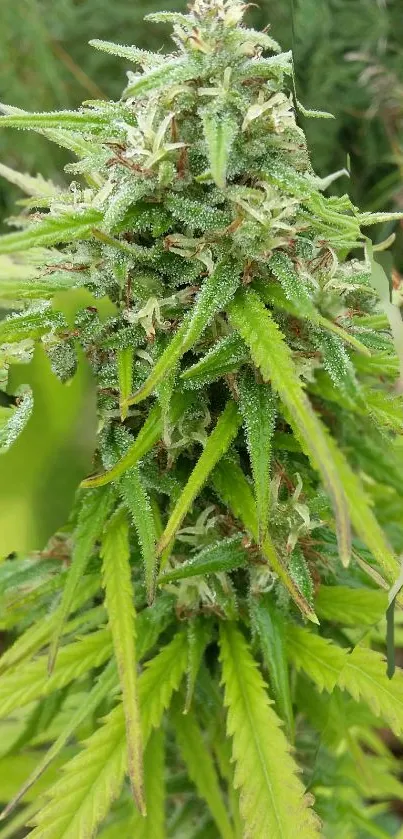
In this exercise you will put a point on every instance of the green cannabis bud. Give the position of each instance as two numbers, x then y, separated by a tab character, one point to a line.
211	354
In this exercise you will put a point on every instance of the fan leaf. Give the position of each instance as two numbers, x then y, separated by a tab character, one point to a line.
272	800
119	597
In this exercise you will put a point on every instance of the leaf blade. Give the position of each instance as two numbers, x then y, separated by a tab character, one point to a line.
273	357
272	799
214	294
259	411
137	501
217	444
92	516
119	596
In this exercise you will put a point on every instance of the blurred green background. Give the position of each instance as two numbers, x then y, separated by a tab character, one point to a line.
348	56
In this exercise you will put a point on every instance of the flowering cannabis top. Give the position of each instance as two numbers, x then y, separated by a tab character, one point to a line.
214	332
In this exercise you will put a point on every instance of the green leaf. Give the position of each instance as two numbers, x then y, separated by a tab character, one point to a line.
81	799
147	437
351	606
294	287
41	472
125	359
272	799
201	768
275	295
217	444
171	72
70	140
38	634
137	501
220	131
224	357
231	485
273	357
52	231
361	514
24	326
316	657
268	621
365	219
214	295
153	826
133	823
37	186
258	410
364	677
119	596
103	687
31	681
224	556
85	121
381	282
93	513
130	53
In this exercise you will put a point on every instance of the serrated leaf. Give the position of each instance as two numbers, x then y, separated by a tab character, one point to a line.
268	621
273	357
92	516
293	285
220	131
366	219
70	140
31	681
351	606
52	231
224	357
38	634
231	485
201	768
272	799
41	472
364	677
36	186
153	825
275	295
31	325
82	797
119	596
316	657
85	121
224	556
147	437
265	68
258	410
175	18
381	282
133	823
137	501
214	295
129	52
217	444
171	72
103	687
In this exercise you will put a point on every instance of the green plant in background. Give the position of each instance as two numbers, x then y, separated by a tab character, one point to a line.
200	625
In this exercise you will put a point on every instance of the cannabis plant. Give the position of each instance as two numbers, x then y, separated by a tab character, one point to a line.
201	467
